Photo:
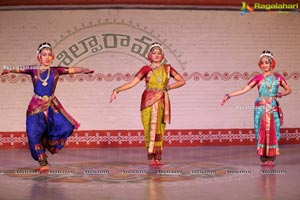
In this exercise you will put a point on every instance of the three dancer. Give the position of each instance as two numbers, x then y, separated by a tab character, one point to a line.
48	125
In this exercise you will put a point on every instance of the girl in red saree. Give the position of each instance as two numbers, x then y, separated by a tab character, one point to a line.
267	112
48	125
155	103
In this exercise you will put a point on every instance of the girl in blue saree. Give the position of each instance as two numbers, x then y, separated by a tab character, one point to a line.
48	125
267	113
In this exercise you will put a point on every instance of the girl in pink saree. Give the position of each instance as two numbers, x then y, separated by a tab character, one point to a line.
155	103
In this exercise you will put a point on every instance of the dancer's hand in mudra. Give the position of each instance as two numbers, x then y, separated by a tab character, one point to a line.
5	71
88	71
226	97
113	95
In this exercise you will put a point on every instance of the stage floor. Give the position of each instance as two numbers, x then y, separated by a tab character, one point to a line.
123	173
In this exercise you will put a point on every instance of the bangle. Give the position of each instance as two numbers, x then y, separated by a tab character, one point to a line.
116	90
279	95
227	95
167	88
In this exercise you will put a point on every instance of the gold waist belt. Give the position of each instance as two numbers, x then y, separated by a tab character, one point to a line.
267	98
156	89
44	98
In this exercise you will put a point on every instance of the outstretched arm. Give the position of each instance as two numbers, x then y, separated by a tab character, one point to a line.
236	93
124	87
76	70
14	70
7	71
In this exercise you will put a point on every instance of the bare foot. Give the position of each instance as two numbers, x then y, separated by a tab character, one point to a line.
264	164
43	168
158	163
270	163
152	162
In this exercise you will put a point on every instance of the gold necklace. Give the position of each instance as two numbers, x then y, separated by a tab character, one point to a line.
44	81
270	86
159	79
